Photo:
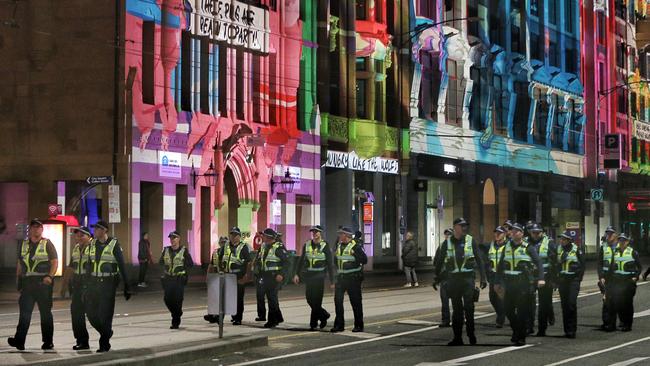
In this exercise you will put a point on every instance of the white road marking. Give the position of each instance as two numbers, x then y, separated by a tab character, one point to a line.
598	352
362	335
642	313
630	361
415	322
463	360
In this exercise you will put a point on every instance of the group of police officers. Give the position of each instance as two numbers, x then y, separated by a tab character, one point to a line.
522	261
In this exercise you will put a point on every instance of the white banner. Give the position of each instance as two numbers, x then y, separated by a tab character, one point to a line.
642	130
114	216
169	164
233	22
342	160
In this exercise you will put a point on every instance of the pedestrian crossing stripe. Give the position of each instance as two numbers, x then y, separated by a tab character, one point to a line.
416	322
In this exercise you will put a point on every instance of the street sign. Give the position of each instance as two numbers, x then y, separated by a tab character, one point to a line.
114	204
99	180
597	194
52	209
367	212
612	151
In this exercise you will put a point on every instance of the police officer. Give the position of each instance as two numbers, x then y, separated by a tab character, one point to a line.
350	258
314	263
607	248
259	283
571	268
460	258
233	258
514	276
440	280
273	260
508	226
213	267
35	270
73	279
493	250
625	270
104	267
547	250
176	261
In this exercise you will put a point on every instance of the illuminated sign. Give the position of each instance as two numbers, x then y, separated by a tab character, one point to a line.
450	169
169	164
367	212
56	234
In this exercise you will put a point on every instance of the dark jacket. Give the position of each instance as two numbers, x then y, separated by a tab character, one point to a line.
144	248
410	253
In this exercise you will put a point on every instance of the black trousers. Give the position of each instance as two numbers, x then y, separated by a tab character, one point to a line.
259	294
99	299
240	303
78	311
314	288
271	287
444	301
174	287
569	288
620	301
516	304
545	311
143	271
35	292
497	304
461	292
352	285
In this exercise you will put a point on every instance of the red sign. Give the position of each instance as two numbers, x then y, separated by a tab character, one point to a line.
367	212
52	209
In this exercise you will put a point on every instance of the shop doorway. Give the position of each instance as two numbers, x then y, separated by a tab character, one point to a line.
151	208
205	229
227	215
434	232
489	210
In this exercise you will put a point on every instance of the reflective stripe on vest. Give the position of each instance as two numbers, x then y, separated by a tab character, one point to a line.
228	259
315	257
571	258
40	262
175	266
543	252
107	265
608	254
345	258
623	259
272	262
468	254
494	254
515	258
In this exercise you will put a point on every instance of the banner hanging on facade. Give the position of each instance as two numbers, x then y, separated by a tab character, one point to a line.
343	160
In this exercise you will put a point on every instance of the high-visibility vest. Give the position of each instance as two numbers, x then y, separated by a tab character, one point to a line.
624	263
215	258
608	254
174	266
315	257
39	265
469	261
543	252
107	265
228	259
345	258
516	259
272	262
494	254
568	264
79	260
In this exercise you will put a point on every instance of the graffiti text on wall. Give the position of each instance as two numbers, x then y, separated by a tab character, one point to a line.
642	130
233	22
337	159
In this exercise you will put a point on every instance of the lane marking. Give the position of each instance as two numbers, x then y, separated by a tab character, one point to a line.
598	352
415	322
642	313
630	361
463	360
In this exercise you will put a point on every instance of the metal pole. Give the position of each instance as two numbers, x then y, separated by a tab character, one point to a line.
596	136
222	302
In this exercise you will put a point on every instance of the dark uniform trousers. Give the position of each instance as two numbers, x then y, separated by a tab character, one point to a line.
259	294
99	299
620	301
271	287
444	300
569	287
461	292
350	283
34	291
314	288
516	302
78	311
174	287
496	301
240	303
545	311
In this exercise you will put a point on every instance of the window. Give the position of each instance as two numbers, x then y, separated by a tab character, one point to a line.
204	79
502	102
571	61
148	41
516	40
642	114
472	12
273	89
622	105
569	15
522	111
430	86
334	90
602	28
256	74
557	135
575	131
379	11
361	9
541	118
620	54
635	150
534	8
380	94
361	64
601	76
620	9
552	11
535	47
633	108
455	93
476	106
186	71
361	98
496	25
453	11
553	55
223	81
427	9
239	84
